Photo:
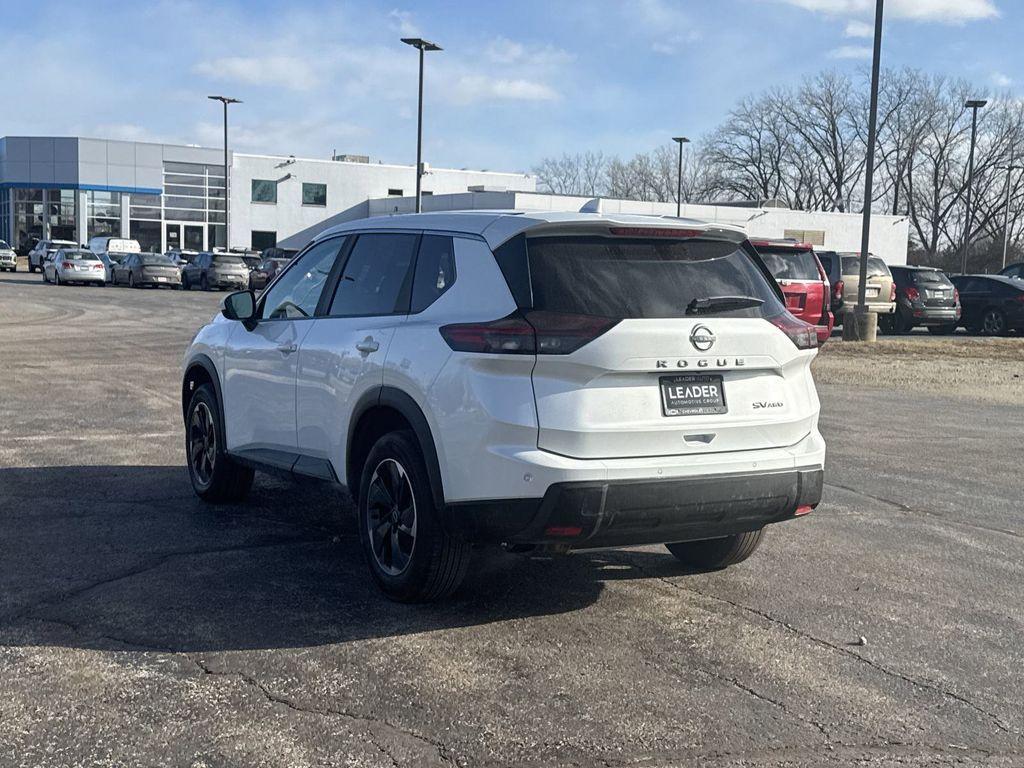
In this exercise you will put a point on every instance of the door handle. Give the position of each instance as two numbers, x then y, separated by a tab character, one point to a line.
287	349
367	345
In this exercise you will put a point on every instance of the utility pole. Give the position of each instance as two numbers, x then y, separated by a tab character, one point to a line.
974	105
866	323
680	140
423	46
225	100
1006	213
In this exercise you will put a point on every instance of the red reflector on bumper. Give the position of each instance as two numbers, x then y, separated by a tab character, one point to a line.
563	530
803	510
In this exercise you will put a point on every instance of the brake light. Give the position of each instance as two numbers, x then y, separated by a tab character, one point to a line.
1019	298
912	293
956	295
65	265
97	266
804	509
837	292
540	333
803	335
654	232
892	291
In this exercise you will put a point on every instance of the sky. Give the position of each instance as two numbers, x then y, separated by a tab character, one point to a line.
516	81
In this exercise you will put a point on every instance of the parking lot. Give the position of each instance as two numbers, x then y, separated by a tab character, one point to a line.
139	626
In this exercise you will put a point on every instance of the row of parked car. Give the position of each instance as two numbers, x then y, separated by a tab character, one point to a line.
819	285
120	261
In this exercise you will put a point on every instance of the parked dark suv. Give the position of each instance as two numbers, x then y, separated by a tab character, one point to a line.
924	296
992	304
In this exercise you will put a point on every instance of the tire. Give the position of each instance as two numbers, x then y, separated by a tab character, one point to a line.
993	323
204	283
429	564
714	554
184	282
941	330
56	278
31	269
215	476
131	280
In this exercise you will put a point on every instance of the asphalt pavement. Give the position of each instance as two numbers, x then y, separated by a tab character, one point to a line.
139	626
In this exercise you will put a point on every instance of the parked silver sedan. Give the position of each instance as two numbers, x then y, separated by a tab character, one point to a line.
74	265
138	269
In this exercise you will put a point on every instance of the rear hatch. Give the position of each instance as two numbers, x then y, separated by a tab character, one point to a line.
879	283
935	288
796	269
687	356
229	267
159	268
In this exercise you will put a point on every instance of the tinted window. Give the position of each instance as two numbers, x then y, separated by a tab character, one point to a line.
297	293
929	277
264	191
876	267
314	194
374	275
826	262
787	264
155	260
223	258
435	271
633	278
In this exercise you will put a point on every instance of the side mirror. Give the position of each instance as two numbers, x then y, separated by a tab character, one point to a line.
240	305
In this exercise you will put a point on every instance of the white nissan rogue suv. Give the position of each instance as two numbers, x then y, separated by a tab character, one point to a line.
554	380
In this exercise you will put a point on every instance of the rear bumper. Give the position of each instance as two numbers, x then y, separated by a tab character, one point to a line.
96	276
159	280
583	515
933	315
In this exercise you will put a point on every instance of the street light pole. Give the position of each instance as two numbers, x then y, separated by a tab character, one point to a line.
861	320
974	105
225	100
680	140
423	46
1006	213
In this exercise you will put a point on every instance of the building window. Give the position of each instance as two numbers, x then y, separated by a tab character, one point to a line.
314	194
263	240
264	191
103	214
394	193
812	236
146	232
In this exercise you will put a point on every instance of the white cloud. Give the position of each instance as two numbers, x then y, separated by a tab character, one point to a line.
945	11
1001	80
287	71
850	52
668	28
469	89
501	50
402	21
859	29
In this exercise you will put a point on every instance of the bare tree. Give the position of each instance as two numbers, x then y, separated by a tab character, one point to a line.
580	174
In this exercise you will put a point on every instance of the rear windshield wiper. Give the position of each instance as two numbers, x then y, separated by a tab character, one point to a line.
707	304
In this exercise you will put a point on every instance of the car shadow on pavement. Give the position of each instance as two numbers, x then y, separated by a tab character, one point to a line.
122	557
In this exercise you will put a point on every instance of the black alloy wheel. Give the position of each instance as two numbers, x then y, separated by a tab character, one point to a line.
392	517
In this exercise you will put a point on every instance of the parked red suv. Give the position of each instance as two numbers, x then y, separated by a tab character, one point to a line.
802	279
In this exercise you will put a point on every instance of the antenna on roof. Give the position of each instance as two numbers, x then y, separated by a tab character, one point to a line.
592	206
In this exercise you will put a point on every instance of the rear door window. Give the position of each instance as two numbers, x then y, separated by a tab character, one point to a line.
376	277
790	264
435	271
644	278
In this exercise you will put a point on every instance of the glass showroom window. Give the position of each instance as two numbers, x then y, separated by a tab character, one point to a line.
104	213
314	194
264	191
61	213
28	219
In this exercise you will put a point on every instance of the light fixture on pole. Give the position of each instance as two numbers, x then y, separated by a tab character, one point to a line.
225	100
974	105
680	140
1006	213
423	46
864	322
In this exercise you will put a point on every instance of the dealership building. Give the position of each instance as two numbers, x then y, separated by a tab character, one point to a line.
173	196
168	196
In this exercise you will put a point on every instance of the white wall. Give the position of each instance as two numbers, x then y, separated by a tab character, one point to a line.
349	186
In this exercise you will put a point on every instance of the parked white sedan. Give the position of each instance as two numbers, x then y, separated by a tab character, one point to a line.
74	265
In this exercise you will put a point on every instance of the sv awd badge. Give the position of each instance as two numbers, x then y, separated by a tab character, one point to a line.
767	404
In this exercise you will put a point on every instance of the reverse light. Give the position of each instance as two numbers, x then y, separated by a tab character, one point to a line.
803	335
956	295
536	333
892	291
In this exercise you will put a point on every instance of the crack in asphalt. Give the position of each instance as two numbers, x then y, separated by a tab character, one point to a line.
149	566
925	512
764	615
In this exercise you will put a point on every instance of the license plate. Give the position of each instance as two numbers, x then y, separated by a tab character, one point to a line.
871	290
692	395
161	279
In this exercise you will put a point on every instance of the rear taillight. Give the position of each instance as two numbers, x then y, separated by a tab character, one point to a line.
837	292
1019	298
911	293
956	295
803	335
536	333
892	291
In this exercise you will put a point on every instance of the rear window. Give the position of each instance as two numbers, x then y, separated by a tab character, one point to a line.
789	264
876	267
221	258
79	256
157	260
637	278
930	277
